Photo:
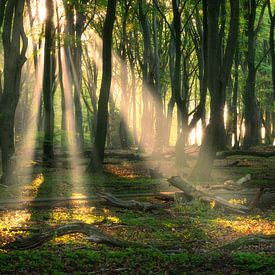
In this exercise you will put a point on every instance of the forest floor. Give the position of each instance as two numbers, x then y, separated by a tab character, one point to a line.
194	232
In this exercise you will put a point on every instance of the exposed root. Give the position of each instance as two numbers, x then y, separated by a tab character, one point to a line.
93	234
130	204
247	240
225	154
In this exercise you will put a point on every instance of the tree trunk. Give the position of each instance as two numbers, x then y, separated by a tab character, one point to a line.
172	100
235	100
14	58
48	85
123	131
252	135
96	163
272	55
217	80
146	121
77	76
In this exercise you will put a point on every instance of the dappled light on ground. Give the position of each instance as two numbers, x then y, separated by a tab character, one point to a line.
127	170
32	189
12	223
248	225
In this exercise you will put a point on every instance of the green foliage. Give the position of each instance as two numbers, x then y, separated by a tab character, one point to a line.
253	262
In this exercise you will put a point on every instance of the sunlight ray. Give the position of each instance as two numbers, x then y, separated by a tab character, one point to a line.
76	170
27	148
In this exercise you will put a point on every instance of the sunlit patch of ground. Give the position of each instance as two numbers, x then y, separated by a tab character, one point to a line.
128	170
11	222
248	225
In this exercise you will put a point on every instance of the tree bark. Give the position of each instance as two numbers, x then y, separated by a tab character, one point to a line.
77	75
217	80
252	135
14	59
124	105
96	162
272	55
48	152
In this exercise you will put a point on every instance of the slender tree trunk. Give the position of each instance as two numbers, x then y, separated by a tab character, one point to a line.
157	97
77	76
172	100
235	100
272	55
124	102
146	121
252	135
48	152
96	163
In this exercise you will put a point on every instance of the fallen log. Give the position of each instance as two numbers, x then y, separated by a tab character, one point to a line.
129	204
193	192
225	154
93	234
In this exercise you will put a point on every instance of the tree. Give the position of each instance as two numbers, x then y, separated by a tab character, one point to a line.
217	81
48	152
251	109
96	162
272	55
14	58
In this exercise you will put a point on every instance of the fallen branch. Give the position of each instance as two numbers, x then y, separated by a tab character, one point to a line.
247	240
229	187
239	183
129	204
193	192
94	235
225	154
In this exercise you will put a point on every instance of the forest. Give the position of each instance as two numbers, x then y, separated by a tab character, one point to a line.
137	137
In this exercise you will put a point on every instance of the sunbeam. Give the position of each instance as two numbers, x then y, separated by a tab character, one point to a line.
27	148
76	170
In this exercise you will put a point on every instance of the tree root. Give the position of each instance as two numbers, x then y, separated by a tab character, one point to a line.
247	240
130	204
225	154
93	234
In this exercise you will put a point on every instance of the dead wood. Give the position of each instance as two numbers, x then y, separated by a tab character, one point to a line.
248	240
194	192
225	154
229	187
94	235
129	204
238	183
165	198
